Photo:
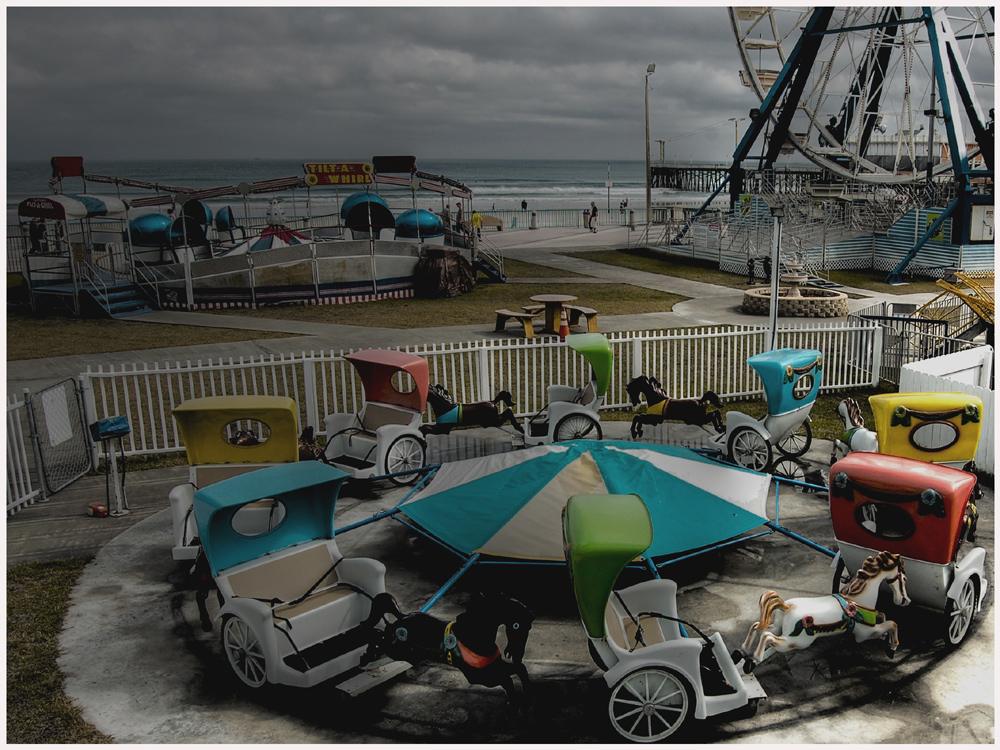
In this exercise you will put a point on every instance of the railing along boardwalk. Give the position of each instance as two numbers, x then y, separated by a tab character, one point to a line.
687	361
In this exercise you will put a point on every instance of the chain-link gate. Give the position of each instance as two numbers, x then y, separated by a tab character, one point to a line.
59	431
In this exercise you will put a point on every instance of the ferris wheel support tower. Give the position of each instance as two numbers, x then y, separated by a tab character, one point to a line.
865	66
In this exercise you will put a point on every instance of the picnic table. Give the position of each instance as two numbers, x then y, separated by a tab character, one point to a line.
553	309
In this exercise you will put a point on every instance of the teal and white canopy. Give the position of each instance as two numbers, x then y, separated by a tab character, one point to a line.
510	505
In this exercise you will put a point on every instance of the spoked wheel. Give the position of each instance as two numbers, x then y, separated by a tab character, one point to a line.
789	468
749	449
650	704
960	613
797	443
405	452
244	651
578	427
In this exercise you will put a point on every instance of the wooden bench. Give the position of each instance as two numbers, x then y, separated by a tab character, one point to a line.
526	320
535	308
576	312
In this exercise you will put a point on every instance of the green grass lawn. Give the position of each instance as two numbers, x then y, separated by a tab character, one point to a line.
37	709
653	262
32	336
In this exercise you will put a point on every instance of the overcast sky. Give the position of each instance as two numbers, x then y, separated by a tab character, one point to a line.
446	82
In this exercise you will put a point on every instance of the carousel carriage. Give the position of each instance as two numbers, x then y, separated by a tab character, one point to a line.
791	379
383	438
294	610
660	675
225	436
573	413
922	511
942	428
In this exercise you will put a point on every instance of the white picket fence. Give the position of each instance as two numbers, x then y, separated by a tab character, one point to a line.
21	487
968	372
687	361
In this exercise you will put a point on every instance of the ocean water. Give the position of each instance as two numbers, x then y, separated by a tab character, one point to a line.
495	183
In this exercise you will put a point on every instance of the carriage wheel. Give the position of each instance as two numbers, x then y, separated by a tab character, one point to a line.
244	651
405	452
577	427
797	443
749	449
650	704
960	613
789	468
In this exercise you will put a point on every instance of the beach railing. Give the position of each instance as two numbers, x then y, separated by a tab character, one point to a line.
687	361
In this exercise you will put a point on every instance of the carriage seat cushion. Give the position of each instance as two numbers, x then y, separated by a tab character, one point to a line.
376	415
288	577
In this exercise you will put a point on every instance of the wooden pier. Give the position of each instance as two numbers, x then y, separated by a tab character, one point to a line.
706	178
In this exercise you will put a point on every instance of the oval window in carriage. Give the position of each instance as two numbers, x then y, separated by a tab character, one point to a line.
885	521
803	386
246	432
934	436
259	517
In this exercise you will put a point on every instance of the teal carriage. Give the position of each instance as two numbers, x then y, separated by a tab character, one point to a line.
791	379
294	610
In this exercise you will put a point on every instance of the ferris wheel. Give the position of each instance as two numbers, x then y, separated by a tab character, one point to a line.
873	94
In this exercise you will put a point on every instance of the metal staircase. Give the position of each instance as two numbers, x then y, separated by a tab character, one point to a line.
489	260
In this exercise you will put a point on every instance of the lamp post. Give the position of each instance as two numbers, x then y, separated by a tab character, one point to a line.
778	212
649	206
736	123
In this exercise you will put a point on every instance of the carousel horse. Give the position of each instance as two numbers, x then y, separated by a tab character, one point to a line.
855	437
660	407
308	449
449	414
799	621
469	642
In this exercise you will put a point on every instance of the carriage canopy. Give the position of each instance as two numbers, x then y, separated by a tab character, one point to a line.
602	534
307	492
791	377
209	425
938	427
378	368
596	349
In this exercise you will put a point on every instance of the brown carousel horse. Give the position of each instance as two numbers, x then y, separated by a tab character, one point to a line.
449	414
661	407
469	642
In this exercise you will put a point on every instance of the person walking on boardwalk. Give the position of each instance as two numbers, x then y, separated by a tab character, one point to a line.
477	223
459	218
593	217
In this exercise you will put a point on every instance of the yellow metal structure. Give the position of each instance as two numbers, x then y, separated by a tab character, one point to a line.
239	430
934	427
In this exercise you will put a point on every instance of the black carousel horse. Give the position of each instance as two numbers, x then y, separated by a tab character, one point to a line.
469	642
660	407
449	414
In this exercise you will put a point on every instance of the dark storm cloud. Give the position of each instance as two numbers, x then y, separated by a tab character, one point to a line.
351	82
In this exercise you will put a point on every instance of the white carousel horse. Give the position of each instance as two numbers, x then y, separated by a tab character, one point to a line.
799	621
855	437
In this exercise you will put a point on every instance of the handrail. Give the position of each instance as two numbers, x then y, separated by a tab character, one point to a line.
492	253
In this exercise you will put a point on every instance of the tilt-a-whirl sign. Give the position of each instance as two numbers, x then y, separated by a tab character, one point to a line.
338	173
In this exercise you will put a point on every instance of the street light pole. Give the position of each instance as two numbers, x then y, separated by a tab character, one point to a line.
649	207
736	123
